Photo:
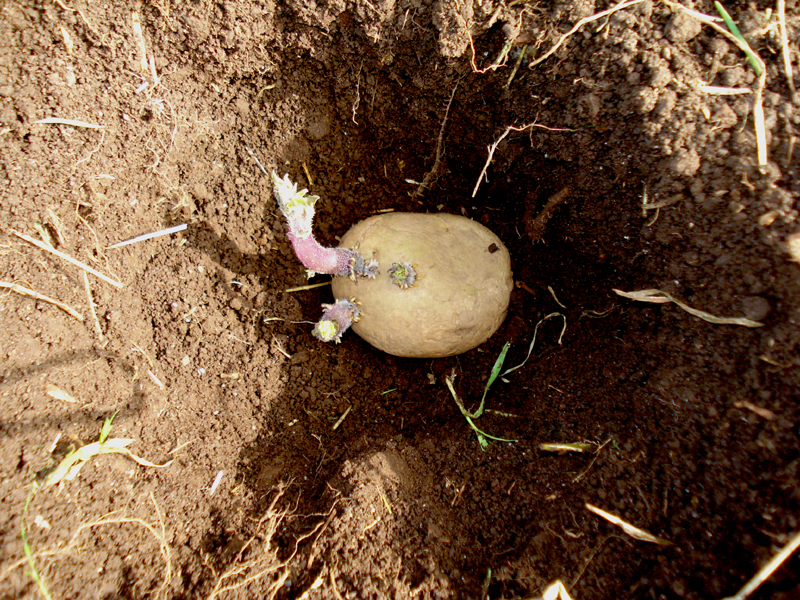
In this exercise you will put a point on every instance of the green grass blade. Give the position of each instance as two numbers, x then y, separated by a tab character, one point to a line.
483	437
735	31
498	365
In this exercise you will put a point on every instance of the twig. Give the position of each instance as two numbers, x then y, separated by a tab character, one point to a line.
493	147
58	226
37	296
647	205
762	412
578	25
535	227
92	305
303	288
787	57
308	175
432	173
552	293
768	569
565	447
342	418
66	257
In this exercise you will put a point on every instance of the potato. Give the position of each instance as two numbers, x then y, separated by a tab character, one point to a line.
461	294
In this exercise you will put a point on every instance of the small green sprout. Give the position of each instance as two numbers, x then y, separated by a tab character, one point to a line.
105	430
403	275
69	468
26	546
471	417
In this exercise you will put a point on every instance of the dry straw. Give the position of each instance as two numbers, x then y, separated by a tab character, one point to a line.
66	257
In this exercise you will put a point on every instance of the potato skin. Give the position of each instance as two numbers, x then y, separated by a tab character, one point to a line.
461	296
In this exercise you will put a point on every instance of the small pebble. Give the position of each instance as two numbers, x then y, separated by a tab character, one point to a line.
756	308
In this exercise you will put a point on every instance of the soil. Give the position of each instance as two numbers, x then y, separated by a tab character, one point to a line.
304	470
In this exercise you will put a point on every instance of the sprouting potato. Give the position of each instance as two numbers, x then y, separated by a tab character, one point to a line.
414	285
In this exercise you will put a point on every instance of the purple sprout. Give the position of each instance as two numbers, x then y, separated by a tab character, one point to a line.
298	208
336	319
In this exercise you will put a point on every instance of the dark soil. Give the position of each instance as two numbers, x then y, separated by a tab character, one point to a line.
347	473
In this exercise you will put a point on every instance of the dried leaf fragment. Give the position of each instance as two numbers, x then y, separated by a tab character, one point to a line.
660	297
56	392
634	532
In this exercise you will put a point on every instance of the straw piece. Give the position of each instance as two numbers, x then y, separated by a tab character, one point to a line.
37	296
92	305
660	297
634	532
66	257
71	122
718	90
768	569
785	50
149	236
303	288
137	31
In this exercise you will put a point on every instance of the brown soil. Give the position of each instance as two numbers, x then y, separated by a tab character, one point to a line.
208	362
